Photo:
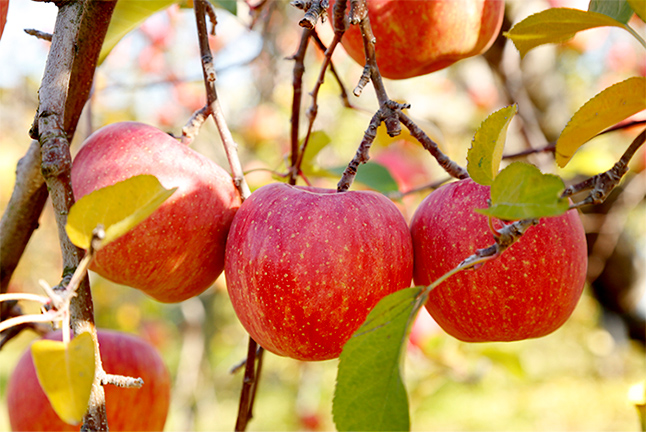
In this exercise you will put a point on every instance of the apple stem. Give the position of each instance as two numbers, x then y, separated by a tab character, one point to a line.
602	184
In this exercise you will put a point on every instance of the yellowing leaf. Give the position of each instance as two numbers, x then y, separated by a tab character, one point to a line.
66	374
639	6
555	25
612	105
522	191
127	15
119	208
485	154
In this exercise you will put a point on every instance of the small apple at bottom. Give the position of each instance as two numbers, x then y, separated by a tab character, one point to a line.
304	266
527	292
128	409
178	251
418	37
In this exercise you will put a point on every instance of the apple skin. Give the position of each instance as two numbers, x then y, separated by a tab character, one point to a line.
304	266
527	292
419	37
143	409
178	251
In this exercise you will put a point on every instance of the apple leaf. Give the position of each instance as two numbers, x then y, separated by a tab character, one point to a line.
66	374
555	25
374	175
617	9
128	15
612	105
485	154
369	393
119	208
230	6
522	191
639	6
318	141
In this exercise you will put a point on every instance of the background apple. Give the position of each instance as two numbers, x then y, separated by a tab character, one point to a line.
527	292
304	266
140	409
177	252
419	37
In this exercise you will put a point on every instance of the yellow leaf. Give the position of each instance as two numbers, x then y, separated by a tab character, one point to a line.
639	6
66	374
612	105
119	208
555	25
485	154
127	15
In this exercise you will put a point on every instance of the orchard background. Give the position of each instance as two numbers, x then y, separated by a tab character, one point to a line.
577	378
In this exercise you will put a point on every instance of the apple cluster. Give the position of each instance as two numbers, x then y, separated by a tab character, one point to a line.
304	266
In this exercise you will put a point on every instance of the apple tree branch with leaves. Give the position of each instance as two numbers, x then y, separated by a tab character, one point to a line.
495	251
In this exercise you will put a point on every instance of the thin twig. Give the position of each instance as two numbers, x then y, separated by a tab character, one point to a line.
297	95
230	146
39	34
452	168
244	408
602	184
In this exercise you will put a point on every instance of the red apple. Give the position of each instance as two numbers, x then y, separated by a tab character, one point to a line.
419	37
527	292
177	252
4	8
304	266
128	409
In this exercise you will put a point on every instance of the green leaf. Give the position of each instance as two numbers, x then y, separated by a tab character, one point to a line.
119	208
612	105
128	15
369	393
555	25
617	9
639	6
485	154
66	374
374	175
521	191
228	5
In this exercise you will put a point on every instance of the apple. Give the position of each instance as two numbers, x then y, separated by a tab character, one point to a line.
304	266
415	38
4	8
177	252
128	409
527	292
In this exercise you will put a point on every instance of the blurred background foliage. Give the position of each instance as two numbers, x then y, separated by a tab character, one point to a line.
578	378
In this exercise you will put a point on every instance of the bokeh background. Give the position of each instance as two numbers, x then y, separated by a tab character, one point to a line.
579	378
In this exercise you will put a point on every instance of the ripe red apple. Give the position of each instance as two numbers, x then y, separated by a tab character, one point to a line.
143	409
529	291
177	252
4	8
304	266
419	37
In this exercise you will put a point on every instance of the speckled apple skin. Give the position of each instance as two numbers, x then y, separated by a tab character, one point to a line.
305	266
422	36
178	251
527	292
143	409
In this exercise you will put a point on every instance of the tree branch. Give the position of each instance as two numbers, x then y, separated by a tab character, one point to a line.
214	109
